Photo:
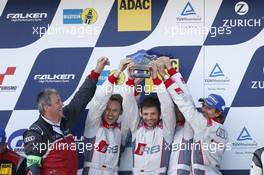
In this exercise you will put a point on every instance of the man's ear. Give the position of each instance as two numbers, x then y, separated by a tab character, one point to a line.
45	107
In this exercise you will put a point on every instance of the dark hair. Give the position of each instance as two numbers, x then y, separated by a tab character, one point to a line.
119	99
151	102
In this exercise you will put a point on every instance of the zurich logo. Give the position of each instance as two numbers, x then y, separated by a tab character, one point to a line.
216	72
188	10
244	135
241	8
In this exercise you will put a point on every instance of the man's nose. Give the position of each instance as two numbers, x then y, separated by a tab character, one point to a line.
110	112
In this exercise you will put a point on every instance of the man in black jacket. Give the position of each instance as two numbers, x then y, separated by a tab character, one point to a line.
49	145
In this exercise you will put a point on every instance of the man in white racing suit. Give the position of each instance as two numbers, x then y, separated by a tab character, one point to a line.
210	137
102	132
152	133
180	158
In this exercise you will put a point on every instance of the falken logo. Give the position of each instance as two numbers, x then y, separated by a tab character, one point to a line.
216	71
26	17
55	78
244	135
188	10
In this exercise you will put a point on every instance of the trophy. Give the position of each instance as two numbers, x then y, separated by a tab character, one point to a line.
141	59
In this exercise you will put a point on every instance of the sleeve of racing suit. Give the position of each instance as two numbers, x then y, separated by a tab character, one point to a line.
125	131
97	106
130	106
177	77
186	106
35	147
21	168
167	110
81	98
256	167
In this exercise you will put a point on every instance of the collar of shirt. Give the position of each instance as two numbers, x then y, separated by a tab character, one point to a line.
55	126
106	125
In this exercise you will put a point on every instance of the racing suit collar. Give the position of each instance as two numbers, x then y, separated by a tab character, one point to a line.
180	123
108	126
159	124
210	121
52	126
50	122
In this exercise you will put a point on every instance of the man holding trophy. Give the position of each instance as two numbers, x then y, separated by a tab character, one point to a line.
153	124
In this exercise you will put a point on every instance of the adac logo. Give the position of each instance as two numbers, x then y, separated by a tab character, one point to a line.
134	15
244	135
241	8
216	71
188	10
80	16
15	141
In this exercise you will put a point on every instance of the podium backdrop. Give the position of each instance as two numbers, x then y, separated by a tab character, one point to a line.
55	43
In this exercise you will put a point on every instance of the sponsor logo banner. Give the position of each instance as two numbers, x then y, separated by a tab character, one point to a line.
134	15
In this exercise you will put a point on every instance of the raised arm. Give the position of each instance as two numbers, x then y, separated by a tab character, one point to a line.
125	129
131	108
98	105
167	106
176	77
86	92
100	100
186	106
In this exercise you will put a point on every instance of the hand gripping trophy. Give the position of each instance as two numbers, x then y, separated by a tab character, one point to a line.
141	59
